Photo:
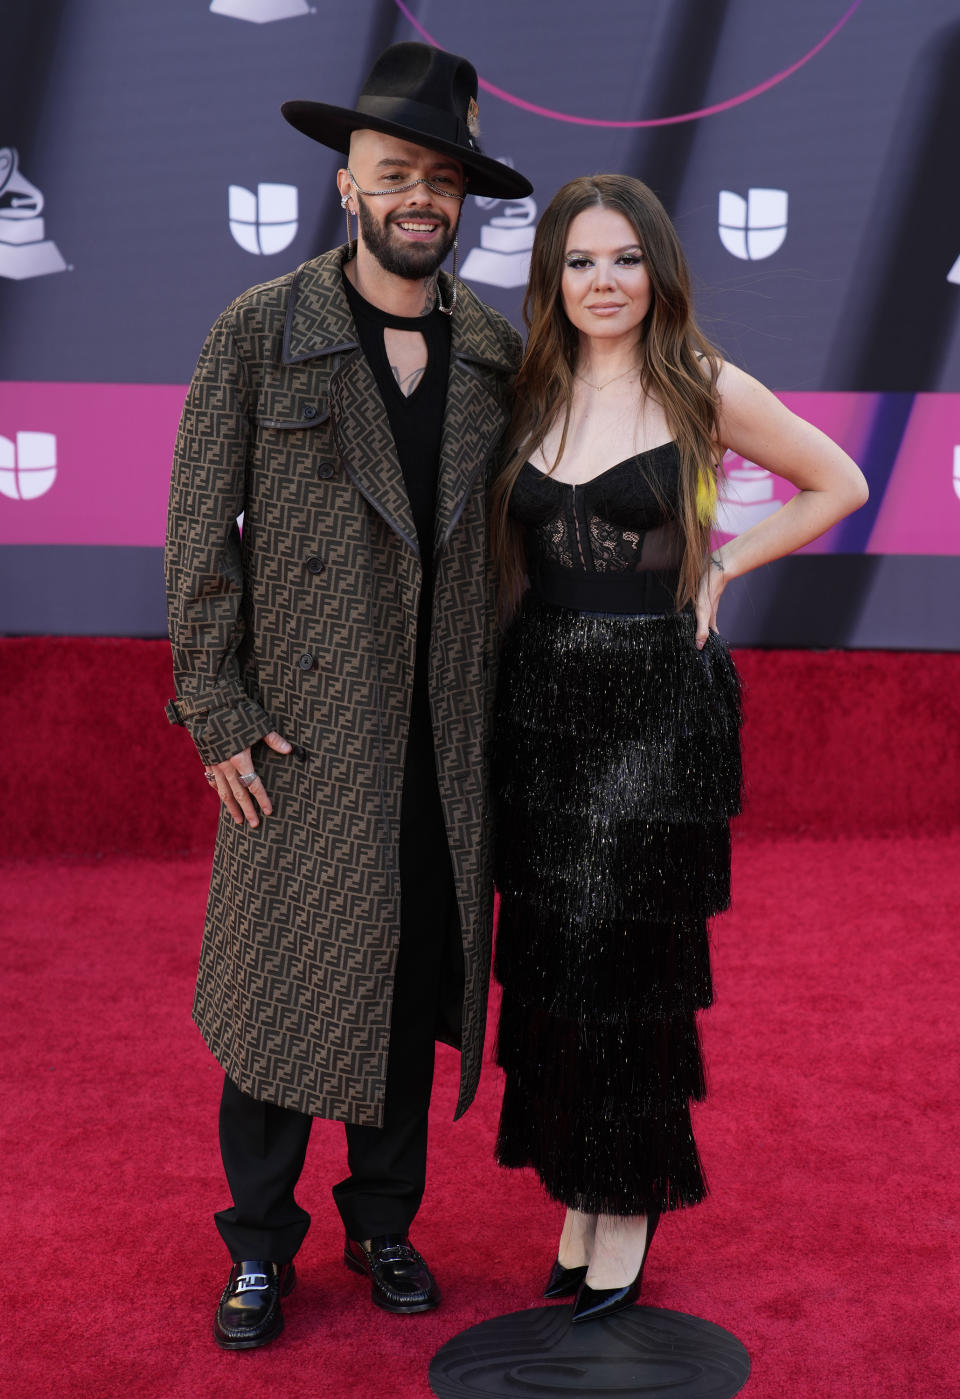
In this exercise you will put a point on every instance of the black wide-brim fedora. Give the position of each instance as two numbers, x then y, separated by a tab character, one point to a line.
419	94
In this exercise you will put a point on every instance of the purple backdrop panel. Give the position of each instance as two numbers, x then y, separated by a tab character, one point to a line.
806	152
86	463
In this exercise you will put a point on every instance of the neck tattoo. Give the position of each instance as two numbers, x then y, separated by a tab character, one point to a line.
431	294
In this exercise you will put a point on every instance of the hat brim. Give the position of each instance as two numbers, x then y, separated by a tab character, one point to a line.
333	127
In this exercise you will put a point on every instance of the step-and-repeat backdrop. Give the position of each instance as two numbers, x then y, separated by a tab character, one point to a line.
807	153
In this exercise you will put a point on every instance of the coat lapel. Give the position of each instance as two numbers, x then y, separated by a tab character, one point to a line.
475	417
367	448
319	323
318	320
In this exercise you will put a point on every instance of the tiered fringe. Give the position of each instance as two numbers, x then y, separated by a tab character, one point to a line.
617	766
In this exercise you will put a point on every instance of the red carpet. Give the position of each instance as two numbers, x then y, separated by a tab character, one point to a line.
830	1135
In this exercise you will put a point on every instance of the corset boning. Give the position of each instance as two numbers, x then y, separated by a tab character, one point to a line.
611	544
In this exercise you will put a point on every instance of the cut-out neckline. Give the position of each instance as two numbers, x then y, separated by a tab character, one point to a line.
407	397
627	461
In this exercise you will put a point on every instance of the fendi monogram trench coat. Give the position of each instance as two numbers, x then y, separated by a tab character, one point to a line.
305	622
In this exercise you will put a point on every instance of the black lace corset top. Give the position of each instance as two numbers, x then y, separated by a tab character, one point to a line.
610	544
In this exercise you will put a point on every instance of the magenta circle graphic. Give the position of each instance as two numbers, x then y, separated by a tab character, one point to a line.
724	106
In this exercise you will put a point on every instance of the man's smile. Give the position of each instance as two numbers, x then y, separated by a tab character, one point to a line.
418	228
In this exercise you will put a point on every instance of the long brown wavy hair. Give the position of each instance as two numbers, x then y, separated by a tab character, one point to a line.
678	366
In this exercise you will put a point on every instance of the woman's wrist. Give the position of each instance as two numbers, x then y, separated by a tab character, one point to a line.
724	560
720	560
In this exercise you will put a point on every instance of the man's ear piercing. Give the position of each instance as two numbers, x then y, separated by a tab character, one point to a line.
343	201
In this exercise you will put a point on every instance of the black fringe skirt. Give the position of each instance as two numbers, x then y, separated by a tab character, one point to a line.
616	769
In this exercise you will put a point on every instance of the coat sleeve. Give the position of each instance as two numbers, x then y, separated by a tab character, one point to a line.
203	568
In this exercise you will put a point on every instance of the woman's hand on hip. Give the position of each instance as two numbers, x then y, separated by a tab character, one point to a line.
711	586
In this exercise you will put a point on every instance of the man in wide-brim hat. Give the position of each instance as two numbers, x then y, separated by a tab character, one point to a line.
334	668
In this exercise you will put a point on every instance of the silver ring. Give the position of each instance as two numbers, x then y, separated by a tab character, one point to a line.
247	778
210	776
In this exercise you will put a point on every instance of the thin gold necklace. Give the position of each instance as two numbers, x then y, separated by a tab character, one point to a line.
598	387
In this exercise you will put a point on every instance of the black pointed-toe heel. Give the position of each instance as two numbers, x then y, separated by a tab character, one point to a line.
563	1282
594	1302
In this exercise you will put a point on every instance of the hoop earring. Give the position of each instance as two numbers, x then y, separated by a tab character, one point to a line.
448	310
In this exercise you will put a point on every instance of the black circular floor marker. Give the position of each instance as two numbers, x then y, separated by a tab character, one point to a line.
643	1351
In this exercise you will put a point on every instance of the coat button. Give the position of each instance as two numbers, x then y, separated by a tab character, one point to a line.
325	471
299	752
315	564
310	411
306	661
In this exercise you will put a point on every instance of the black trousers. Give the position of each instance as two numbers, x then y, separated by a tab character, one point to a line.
264	1146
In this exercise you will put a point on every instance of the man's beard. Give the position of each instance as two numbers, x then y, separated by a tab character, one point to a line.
410	260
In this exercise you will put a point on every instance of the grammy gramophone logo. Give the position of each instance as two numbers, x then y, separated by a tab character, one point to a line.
506	241
260	11
25	251
747	495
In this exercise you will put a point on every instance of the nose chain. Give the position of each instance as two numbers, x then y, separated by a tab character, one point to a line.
402	189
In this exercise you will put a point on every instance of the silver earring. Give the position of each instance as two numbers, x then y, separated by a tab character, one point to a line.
343	205
448	310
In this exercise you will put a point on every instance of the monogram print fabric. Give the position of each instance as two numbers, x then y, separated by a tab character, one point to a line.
305	622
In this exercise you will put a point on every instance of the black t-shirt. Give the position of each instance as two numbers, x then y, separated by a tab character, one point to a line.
416	421
417	426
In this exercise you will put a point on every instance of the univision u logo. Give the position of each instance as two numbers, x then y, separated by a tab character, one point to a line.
28	466
754	227
265	222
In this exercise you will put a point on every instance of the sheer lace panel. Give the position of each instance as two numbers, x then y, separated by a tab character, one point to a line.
623	520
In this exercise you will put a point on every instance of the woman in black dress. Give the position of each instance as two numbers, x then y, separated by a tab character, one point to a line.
616	750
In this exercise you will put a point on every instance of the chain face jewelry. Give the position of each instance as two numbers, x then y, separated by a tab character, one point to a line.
402	189
343	206
448	310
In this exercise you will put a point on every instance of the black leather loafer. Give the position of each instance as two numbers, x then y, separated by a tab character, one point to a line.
249	1313
563	1282
401	1280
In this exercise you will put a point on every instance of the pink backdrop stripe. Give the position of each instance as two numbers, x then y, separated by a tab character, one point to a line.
920	510
920	513
114	443
846	417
